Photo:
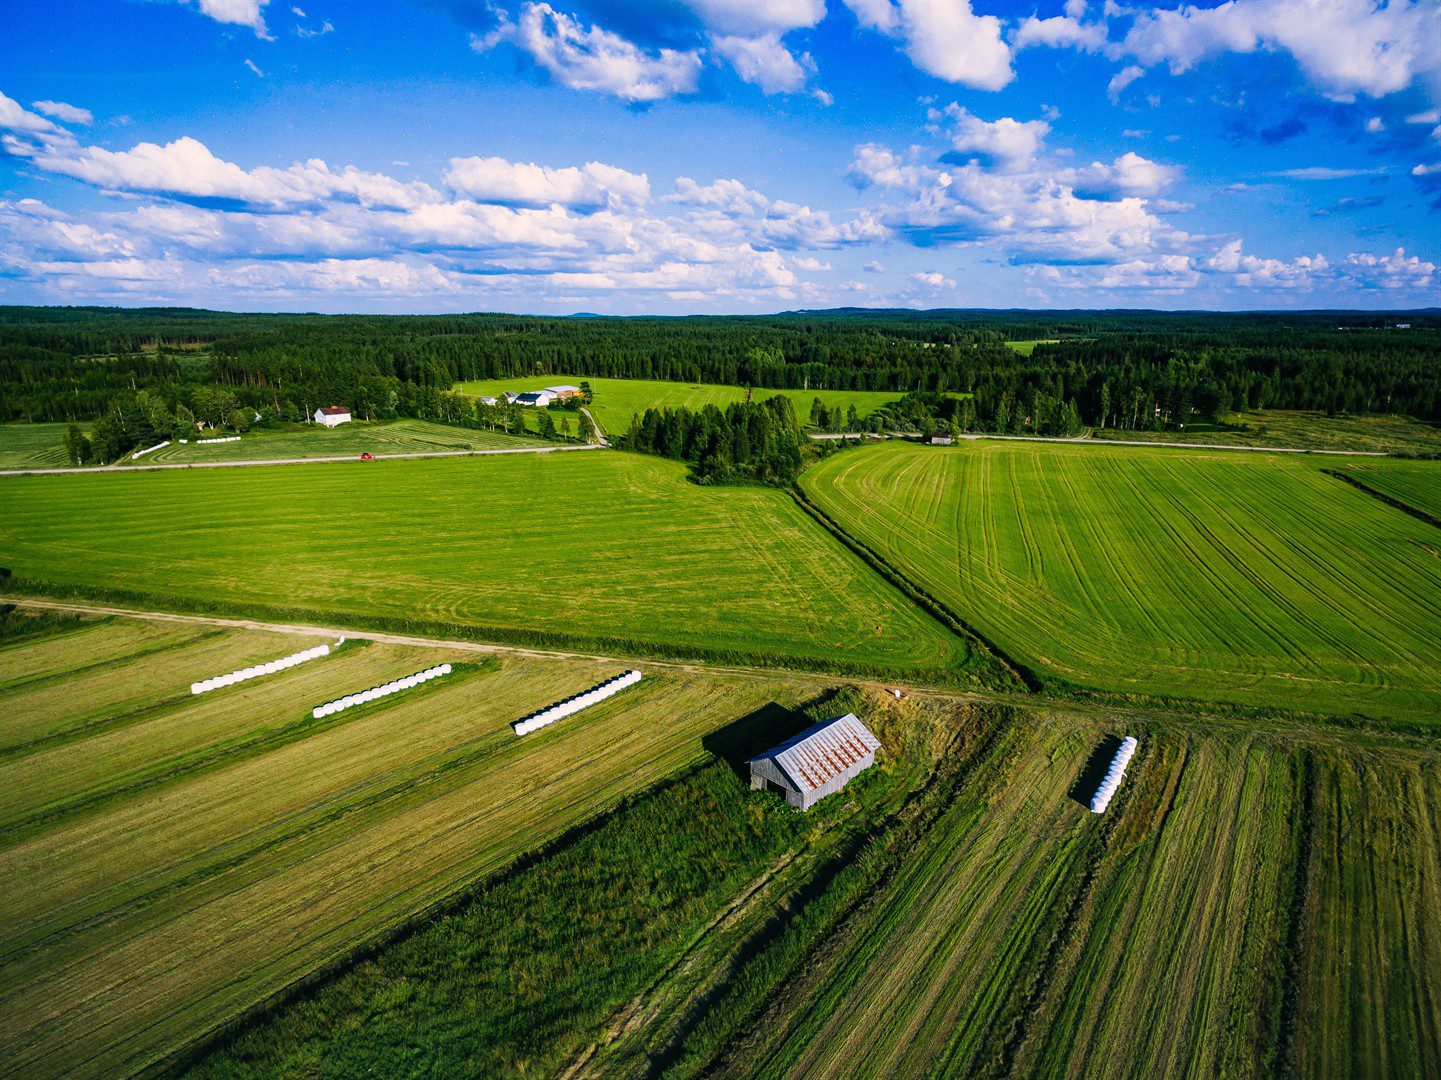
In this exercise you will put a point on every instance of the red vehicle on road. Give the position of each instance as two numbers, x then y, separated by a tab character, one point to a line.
367	456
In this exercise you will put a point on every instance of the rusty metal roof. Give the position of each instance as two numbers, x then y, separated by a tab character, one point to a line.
821	753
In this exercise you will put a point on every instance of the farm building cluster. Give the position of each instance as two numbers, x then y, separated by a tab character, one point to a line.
538	399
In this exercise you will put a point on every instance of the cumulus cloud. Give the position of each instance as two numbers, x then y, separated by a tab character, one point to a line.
944	38
1370	47
591	58
591	186
1007	142
1061	32
1129	175
65	113
1395	271
247	13
933	280
763	61
17	120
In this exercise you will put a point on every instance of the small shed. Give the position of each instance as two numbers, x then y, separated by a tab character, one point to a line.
487	400
940	440
537	398
565	392
818	762
332	415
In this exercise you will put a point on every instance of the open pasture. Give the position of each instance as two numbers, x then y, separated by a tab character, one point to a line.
617	400
1296	429
355	438
33	446
1415	483
1236	578
172	862
1223	918
592	548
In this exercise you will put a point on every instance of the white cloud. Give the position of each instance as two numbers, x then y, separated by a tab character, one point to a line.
591	186
248	13
1375	124
1426	170
1129	174
758	17
1430	116
729	196
591	58
65	113
1325	172
1060	32
944	38
1395	271
934	280
1368	47
763	61
1010	143
1251	271
253	67
1122	79
16	119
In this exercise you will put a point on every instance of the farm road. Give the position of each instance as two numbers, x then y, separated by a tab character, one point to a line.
303	460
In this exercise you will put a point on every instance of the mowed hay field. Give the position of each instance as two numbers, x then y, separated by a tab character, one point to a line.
33	446
1415	483
172	860
617	400
1246	907
1246	578
353	439
592	547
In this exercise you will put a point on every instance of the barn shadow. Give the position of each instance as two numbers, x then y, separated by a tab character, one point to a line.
743	739
1096	766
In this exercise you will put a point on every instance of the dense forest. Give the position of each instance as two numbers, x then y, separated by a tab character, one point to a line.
131	369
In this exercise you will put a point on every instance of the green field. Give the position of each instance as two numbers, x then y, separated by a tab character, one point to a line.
1223	577
1296	430
171	861
617	400
1020	935
1415	483
355	438
1233	914
1025	348
33	446
580	548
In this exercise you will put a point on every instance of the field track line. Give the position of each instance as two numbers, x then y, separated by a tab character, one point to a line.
303	461
1087	440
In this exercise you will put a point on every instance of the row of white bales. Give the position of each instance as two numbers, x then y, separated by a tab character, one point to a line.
534	722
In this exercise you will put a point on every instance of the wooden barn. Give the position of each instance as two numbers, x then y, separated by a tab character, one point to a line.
818	762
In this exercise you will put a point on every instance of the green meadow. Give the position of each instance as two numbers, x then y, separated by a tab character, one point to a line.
33	446
193	856
1243	578
1415	483
615	401
596	549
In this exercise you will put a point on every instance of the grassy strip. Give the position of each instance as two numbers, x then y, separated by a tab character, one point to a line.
510	978
1012	668
18	626
812	920
1279	1056
1390	500
478	633
170	770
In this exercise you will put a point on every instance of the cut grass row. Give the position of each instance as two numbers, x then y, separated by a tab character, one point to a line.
615	401
1300	430
1024	936
193	859
599	550
960	915
1256	580
355	438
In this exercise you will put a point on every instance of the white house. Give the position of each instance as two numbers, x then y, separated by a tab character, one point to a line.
538	398
332	415
489	401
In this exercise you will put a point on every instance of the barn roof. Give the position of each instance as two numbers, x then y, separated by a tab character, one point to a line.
566	389
335	410
822	752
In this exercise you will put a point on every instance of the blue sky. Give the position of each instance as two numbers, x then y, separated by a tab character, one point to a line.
719	155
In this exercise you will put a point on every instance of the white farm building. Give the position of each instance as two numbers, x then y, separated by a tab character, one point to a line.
332	415
818	762
564	392
538	398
